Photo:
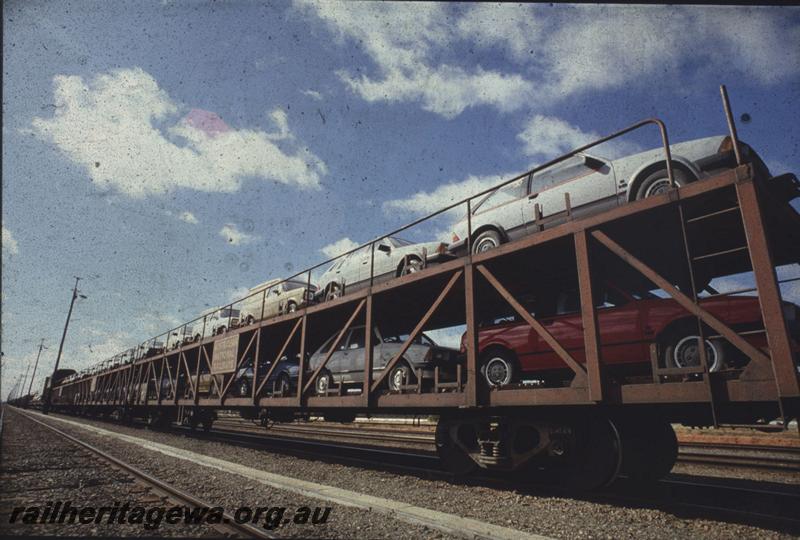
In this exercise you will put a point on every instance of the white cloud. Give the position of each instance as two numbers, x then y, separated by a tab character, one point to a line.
402	39
9	243
548	137
342	245
551	53
427	202
123	129
281	121
231	233
188	217
312	94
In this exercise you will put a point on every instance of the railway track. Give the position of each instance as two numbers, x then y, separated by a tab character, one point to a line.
768	505
229	527
772	507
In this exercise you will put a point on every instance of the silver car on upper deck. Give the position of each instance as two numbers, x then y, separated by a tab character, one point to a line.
593	184
393	257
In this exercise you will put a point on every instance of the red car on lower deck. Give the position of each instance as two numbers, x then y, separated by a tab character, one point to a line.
627	324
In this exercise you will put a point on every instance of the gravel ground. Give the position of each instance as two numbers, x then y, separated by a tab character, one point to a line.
61	471
544	514
233	491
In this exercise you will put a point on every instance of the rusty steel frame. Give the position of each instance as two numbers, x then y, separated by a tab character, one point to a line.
765	376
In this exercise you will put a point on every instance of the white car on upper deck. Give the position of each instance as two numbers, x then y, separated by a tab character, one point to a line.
393	257
593	184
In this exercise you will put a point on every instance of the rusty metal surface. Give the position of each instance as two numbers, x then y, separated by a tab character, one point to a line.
132	384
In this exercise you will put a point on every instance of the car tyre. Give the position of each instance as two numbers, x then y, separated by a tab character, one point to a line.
291	307
658	183
499	368
323	382
411	266
398	377
683	352
485	241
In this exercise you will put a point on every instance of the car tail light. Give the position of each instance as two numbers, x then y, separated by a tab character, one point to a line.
464	343
441	248
455	238
726	146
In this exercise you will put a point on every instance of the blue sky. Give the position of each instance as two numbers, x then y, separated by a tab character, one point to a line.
176	153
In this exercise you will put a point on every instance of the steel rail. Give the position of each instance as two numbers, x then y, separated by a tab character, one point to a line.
677	492
181	497
661	494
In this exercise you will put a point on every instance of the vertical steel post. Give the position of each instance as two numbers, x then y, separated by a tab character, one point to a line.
264	303
471	390
301	373
469	229
769	295
368	351
726	104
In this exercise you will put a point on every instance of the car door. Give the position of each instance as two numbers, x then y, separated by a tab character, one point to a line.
504	207
586	179
352	355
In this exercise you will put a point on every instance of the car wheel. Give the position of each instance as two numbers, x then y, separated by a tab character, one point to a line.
250	319
398	377
658	183
291	307
197	337
332	291
485	241
324	380
411	266
684	352
499	368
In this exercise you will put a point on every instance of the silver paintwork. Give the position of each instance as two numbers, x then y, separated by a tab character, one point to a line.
593	184
347	362
353	270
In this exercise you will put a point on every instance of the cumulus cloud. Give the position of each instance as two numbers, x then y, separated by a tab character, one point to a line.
551	53
188	217
403	39
129	136
312	94
9	243
548	137
427	202
231	233
342	245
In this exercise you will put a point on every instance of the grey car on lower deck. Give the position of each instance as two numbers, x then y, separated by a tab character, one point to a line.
346	364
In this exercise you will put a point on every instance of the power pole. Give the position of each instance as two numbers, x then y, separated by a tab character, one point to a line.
35	365
48	391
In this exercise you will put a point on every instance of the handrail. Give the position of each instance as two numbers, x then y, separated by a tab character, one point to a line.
468	200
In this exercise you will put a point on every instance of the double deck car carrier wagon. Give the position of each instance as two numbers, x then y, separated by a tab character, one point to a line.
590	421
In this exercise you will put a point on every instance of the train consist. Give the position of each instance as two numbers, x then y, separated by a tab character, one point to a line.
582	322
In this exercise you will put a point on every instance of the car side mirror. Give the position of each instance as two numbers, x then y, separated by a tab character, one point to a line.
384	247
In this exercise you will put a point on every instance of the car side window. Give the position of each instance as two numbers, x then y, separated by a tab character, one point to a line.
356	340
568	302
561	173
611	298
505	194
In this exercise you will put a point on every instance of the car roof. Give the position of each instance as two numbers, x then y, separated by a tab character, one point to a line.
264	285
